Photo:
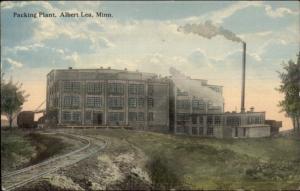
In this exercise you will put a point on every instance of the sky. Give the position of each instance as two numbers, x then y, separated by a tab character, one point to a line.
144	36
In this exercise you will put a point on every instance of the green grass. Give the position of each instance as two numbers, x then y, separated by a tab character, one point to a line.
22	148
207	163
16	149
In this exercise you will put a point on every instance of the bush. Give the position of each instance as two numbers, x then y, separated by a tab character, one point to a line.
163	174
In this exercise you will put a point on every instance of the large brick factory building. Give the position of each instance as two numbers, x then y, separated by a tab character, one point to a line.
145	101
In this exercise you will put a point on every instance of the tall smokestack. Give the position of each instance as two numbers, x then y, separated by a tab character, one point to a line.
243	79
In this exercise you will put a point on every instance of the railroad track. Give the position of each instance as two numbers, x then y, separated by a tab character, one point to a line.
16	179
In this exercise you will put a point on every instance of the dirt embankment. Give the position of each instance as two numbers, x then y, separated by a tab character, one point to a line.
118	167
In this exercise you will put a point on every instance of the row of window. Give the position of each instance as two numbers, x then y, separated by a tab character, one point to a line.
136	116
135	102
113	102
184	117
70	86
196	130
113	88
254	120
115	116
198	104
116	88
93	102
69	116
94	88
71	101
139	116
185	104
136	89
233	121
217	120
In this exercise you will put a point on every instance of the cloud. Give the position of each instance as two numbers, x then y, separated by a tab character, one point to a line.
11	4
31	47
220	15
74	57
10	64
279	12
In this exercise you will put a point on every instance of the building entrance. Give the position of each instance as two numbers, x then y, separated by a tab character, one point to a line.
97	118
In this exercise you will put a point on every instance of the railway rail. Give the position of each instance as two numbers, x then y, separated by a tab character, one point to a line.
16	179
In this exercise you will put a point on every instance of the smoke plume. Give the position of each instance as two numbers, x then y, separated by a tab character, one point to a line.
195	88
208	30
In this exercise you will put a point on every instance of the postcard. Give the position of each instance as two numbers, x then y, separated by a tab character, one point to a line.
150	95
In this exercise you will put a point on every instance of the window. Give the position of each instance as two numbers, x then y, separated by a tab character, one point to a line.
115	116
67	101
141	102
75	101
217	120
183	104
210	131
198	104
233	121
97	102
132	116
150	102
115	88
150	116
136	89
90	102
244	132
209	120
71	101
140	89
132	102
140	116
94	87
67	116
182	118
76	116
257	120
132	89
76	86
93	102
150	90
115	102
69	86
194	119
200	119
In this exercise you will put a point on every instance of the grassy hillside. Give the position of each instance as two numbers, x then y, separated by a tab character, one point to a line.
207	163
16	149
23	148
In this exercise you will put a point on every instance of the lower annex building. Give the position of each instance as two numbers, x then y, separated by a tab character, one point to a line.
120	98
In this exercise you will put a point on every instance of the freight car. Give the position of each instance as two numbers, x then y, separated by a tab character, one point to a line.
25	119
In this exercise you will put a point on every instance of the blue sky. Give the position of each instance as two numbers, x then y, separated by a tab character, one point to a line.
144	36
